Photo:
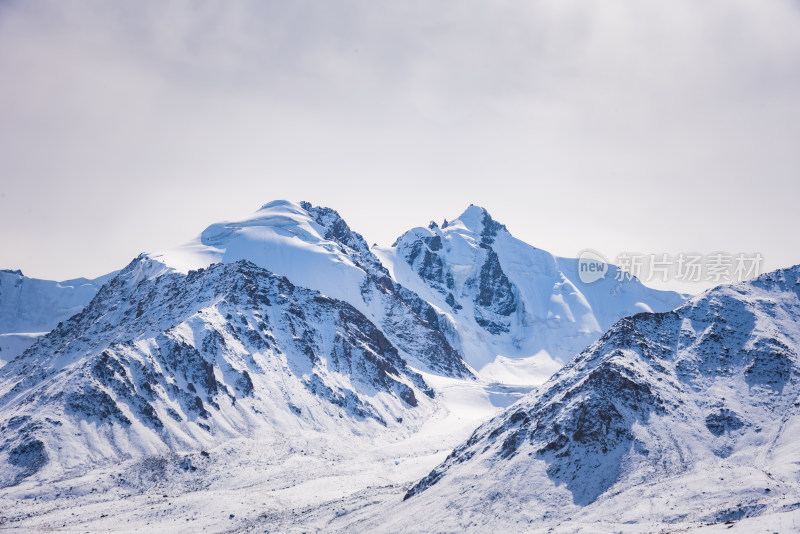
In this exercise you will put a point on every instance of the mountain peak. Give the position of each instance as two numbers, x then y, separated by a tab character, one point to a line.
280	224
478	220
521	300
277	204
473	216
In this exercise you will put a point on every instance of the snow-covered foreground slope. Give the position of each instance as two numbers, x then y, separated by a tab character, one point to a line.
29	307
178	362
509	299
681	418
303	481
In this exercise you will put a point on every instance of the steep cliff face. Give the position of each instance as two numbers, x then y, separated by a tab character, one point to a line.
507	298
179	361
697	407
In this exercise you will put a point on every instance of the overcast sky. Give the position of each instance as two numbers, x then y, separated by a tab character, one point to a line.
622	126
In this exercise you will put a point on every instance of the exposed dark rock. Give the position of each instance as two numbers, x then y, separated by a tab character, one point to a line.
91	402
723	422
29	457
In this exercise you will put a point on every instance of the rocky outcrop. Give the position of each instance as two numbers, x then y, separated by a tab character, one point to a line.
178	359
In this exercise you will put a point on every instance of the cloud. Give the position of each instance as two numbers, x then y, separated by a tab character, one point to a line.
628	125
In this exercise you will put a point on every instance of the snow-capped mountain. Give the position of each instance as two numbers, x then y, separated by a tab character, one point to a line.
286	313
466	290
510	300
688	416
314	248
175	362
277	372
30	307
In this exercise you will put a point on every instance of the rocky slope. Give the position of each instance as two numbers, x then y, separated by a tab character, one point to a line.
164	361
684	416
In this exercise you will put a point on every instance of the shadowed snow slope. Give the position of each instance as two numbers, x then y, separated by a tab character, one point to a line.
33	305
511	299
689	415
183	361
29	306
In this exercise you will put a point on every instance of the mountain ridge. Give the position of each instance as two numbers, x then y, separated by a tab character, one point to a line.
508	299
182	361
712	387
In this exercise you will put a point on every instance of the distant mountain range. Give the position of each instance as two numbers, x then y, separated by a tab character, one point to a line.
30	307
